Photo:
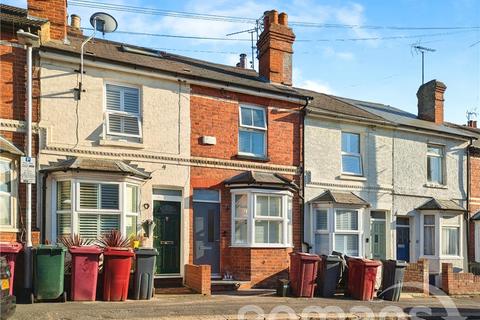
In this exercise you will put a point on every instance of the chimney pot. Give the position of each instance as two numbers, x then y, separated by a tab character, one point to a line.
283	19
472	123
273	17
430	101
75	21
243	61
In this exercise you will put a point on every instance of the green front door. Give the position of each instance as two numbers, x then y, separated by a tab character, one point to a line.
378	239
166	236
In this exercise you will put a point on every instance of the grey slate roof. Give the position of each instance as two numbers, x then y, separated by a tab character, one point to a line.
17	17
476	216
474	131
260	179
7	146
436	204
341	198
100	165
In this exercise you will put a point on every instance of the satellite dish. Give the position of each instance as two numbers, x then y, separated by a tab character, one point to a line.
103	22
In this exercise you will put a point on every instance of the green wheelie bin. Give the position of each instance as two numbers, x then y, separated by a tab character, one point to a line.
48	273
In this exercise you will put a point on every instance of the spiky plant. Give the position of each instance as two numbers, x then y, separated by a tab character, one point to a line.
113	239
75	240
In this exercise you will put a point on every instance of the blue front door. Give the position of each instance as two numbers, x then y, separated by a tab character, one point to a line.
207	234
403	239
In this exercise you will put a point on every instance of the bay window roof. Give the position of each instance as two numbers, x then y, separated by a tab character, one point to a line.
99	165
7	146
260	180
437	204
336	197
476	216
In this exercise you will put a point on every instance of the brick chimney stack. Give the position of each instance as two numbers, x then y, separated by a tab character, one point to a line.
275	48
53	10
430	101
472	123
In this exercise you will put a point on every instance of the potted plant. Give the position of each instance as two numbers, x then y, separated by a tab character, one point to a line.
83	264
116	265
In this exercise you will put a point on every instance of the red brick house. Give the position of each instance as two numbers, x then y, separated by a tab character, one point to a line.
13	121
252	148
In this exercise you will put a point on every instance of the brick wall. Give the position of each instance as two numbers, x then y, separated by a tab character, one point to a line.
13	104
459	283
197	278
474	204
417	273
53	10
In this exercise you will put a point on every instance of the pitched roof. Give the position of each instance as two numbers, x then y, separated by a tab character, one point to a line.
7	146
341	198
171	64
260	179
436	204
18	17
474	131
101	165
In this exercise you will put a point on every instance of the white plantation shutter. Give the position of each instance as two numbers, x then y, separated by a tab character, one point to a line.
346	220
109	196
92	226
88	195
99	196
109	222
123	110
64	224
64	199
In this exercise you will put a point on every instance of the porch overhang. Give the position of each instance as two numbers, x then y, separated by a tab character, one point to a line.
476	217
97	165
8	147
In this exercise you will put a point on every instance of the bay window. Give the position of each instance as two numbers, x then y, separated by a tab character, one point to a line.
336	229
450	235
261	218
91	208
6	193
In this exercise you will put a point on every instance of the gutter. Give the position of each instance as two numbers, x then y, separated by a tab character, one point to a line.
69	57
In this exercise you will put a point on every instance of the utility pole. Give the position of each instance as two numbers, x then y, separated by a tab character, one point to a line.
422	50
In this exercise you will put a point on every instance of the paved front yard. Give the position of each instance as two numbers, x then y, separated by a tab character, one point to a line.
227	306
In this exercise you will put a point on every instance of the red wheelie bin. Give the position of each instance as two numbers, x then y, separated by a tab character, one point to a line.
362	274
303	273
116	273
10	251
84	272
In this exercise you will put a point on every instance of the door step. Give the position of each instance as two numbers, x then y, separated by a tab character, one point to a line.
229	285
177	290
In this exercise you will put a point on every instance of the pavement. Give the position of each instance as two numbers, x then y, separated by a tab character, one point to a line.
260	304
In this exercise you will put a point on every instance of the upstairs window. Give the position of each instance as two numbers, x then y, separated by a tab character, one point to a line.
351	156
252	132
123	111
435	159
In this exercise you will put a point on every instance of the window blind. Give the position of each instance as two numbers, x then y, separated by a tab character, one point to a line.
346	220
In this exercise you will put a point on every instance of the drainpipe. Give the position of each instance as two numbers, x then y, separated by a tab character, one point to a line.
467	214
302	184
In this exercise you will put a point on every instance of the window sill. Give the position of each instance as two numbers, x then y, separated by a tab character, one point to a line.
117	143
266	246
442	257
9	229
435	186
351	177
249	157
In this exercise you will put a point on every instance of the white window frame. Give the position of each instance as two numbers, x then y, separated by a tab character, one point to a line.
458	226
477	240
252	217
12	195
442	162
321	231
332	231
253	128
438	235
122	113
75	211
351	154
126	209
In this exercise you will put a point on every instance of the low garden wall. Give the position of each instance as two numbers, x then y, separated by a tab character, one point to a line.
198	278
459	283
417	273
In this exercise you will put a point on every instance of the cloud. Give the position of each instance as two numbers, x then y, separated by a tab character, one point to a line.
329	52
310	84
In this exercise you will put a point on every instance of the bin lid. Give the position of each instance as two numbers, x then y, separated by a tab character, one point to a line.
85	249
127	252
332	258
306	256
365	262
398	263
12	247
146	252
50	248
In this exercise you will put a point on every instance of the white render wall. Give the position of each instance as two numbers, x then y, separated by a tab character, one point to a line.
165	109
395	174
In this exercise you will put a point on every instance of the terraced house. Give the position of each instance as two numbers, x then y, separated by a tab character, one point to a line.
384	183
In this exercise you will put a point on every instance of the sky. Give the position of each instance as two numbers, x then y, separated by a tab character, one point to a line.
380	70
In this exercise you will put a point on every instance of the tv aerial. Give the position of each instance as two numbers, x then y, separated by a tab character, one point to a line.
101	22
422	50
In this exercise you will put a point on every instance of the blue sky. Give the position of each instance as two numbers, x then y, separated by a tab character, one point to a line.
386	71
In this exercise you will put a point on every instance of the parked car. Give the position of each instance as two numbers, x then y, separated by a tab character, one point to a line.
7	301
